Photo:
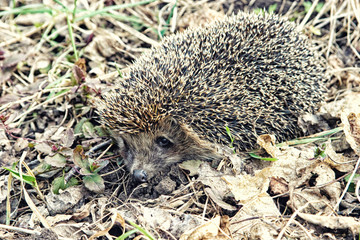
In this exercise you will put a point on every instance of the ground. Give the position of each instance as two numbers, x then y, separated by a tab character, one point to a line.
55	58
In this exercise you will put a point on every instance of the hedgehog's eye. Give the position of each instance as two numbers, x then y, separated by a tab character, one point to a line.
163	142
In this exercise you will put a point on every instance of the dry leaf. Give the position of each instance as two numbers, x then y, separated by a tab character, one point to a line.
351	124
278	185
267	142
217	199
333	222
192	166
58	218
20	144
212	178
44	148
71	230
68	139
58	160
67	199
247	221
79	71
114	216
245	188
207	231
349	103
323	198
336	160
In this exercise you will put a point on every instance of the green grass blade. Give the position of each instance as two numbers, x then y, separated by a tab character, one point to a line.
127	234
169	18
74	11
62	5
329	132
71	35
32	8
123	18
26	178
262	158
143	231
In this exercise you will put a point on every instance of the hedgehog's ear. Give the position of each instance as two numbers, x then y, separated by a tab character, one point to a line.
172	122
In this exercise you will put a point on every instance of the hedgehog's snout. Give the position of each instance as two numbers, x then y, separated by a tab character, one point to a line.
140	175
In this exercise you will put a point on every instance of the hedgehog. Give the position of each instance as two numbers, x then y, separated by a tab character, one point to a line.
248	73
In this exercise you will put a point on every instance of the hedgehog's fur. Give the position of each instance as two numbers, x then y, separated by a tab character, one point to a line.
253	73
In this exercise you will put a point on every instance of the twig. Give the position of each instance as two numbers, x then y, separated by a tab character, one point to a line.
308	15
282	232
348	184
23	230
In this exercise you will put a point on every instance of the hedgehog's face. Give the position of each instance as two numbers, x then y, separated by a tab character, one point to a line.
147	153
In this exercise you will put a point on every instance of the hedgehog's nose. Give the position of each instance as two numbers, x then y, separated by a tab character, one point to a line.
140	175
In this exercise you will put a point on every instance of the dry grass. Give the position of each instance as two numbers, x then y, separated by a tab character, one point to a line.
45	111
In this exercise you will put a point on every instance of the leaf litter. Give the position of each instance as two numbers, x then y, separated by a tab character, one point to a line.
47	123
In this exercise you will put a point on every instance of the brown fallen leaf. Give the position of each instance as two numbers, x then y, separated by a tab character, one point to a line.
79	71
267	142
207	231
351	124
278	185
354	122
332	222
115	217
